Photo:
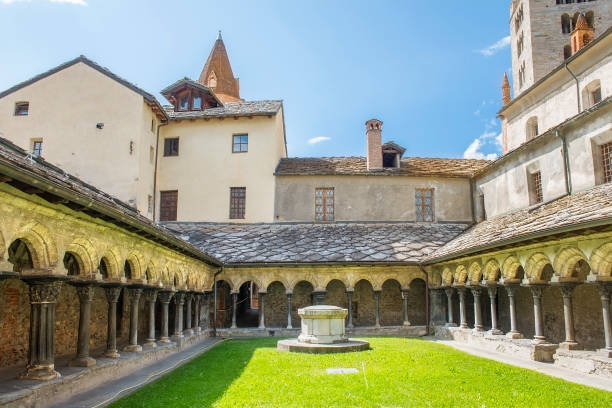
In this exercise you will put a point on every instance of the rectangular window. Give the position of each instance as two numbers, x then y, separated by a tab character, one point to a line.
197	102
536	185
152	125
596	96
184	102
237	202
37	147
22	108
324	204
424	204
171	146
606	154
168	201
240	144
149	204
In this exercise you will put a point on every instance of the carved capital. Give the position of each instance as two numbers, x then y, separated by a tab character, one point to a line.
44	292
536	291
405	293
604	291
492	292
112	293
449	292
150	295
567	290
165	296
134	294
476	291
179	298
85	293
510	290
188	297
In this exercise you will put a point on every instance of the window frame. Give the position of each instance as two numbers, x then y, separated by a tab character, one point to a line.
240	143
325	217
605	154
163	210
420	209
536	189
170	151
36	142
18	111
237	204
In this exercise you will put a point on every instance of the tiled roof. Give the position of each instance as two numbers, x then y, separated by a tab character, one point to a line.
567	212
317	243
252	108
357	166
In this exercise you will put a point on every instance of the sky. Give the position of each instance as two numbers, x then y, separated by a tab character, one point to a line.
431	72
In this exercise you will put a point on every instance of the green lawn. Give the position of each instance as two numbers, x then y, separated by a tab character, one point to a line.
399	373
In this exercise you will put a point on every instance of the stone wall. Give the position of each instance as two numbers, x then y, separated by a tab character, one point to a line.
391	304
14	322
552	308
588	319
524	312
364	306
275	309
302	297
417	303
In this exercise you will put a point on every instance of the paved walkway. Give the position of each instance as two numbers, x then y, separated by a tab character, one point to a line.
550	369
114	390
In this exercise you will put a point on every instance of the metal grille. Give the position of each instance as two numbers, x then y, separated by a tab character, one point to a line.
606	154
537	186
237	202
240	144
324	204
168	201
37	148
424	204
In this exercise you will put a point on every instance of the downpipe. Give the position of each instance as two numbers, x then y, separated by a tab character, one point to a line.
566	163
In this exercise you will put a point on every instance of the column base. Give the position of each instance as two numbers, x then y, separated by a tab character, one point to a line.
111	354
40	373
133	348
164	340
495	332
463	326
407	323
478	329
377	326
197	330
571	345
350	326
261	327
233	326
539	340
514	335
150	343
290	327
82	362
187	332
450	325
606	352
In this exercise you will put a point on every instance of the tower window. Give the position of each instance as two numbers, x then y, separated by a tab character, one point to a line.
535	188
168	203
324	203
240	143
565	24
237	202
171	146
521	75
22	108
531	129
519	45
591	94
424	204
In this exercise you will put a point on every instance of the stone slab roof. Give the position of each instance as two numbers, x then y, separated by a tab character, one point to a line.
229	109
566	213
357	166
317	243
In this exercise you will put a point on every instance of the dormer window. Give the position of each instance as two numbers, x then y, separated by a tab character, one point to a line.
392	153
197	102
184	103
390	160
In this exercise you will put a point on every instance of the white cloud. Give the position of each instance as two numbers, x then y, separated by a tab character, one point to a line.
487	138
76	2
319	139
495	48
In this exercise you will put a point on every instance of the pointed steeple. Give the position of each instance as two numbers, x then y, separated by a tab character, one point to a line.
582	35
506	90
217	74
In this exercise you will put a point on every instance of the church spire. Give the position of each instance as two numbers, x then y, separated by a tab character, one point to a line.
506	90
217	74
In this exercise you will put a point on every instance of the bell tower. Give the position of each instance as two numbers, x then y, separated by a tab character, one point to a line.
218	75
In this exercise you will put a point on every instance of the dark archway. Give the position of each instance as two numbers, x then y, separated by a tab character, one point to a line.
302	297
364	304
417	303
247	305
391	304
275	305
20	256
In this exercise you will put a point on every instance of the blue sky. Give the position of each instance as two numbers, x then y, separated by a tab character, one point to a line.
431	73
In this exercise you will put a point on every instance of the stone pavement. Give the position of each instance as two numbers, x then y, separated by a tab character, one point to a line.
550	369
114	390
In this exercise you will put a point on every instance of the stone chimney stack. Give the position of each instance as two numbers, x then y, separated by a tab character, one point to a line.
506	90
374	143
582	35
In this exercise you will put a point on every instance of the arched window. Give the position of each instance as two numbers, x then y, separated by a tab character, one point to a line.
590	16
103	268
531	130
19	255
147	274
566	24
567	51
591	94
127	270
71	264
212	80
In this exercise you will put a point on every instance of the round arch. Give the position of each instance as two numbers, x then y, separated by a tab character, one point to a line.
491	271
460	275
447	276
86	255
601	260
475	273
40	244
535	267
113	265
137	264
566	262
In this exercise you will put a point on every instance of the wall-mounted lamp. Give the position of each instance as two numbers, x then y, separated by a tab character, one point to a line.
99	125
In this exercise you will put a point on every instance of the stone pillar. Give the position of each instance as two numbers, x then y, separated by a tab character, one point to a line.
289	326
112	296
377	299
164	298
405	293
349	296
476	292
150	298
188	299
41	359
493	298
234	305
437	307
179	301
570	342
319	297
536	292
86	294
204	322
462	312
604	292
134	296
197	312
449	300
513	333
262	311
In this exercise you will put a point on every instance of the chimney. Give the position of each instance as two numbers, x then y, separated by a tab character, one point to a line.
374	142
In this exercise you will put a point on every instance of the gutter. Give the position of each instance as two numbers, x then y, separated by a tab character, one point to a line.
155	169
472	205
577	87
296	264
566	164
215	301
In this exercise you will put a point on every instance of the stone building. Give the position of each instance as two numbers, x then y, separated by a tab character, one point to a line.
514	255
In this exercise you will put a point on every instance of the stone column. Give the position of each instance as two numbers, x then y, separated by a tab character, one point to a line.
204	322
289	326
234	305
536	292
462	312
349	296
164	298
449	299
112	296
604	292
513	333
570	342
188	299
262	312
319	297
134	296
150	298
476	292
197	312
437	307
86	294
41	359
493	298
179	301
405	293
377	299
